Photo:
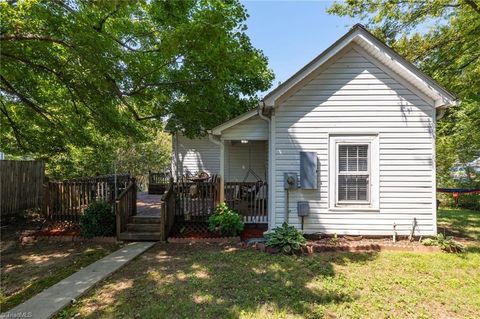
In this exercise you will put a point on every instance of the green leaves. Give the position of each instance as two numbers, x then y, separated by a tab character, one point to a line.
442	38
287	238
445	243
225	221
73	71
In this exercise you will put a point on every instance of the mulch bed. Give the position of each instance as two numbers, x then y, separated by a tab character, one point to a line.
60	233
198	232
355	244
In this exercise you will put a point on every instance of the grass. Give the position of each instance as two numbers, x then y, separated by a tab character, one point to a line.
459	222
212	281
28	269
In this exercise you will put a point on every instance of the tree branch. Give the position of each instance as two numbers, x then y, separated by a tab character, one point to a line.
473	5
31	37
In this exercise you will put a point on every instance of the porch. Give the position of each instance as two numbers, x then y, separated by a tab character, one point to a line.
240	181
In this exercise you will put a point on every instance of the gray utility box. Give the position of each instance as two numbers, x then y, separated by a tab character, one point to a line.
308	170
303	209
290	180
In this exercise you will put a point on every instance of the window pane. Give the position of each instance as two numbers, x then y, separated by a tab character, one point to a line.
352	187
353	158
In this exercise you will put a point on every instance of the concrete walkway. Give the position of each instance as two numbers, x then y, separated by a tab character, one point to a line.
53	299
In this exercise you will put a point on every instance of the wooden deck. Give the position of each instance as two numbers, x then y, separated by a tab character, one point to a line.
148	205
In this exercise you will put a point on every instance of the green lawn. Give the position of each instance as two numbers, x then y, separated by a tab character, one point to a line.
26	270
211	281
459	222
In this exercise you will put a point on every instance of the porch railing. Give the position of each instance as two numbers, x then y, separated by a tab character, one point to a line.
126	206
196	200
168	211
66	200
248	199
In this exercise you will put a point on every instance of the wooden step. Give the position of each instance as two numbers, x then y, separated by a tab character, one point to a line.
148	227
140	236
145	220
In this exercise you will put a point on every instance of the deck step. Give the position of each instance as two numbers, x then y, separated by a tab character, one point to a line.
145	220
139	236
144	227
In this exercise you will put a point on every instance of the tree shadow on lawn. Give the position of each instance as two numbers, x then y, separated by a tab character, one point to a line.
211	281
459	222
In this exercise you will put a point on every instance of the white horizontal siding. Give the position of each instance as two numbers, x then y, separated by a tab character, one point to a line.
354	95
194	155
252	129
240	157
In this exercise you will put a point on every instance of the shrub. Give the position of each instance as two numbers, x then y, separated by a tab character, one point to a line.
469	201
287	238
225	221
98	220
445	243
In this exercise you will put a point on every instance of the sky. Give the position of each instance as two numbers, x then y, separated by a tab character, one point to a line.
292	33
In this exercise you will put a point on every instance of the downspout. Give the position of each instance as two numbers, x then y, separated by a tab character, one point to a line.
261	107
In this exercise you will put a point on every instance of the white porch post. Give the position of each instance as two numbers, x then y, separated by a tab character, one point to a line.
271	174
222	171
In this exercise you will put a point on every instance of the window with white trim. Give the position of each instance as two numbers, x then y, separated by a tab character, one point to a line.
353	173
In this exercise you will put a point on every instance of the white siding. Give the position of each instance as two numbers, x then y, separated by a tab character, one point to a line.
195	155
252	129
356	95
239	157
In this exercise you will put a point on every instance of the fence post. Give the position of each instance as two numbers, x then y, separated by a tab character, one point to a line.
221	189
134	199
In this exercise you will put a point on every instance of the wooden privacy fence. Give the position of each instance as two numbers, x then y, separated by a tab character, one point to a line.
66	200
126	206
21	186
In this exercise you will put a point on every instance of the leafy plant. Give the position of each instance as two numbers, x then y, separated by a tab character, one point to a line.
98	220
287	238
225	221
446	243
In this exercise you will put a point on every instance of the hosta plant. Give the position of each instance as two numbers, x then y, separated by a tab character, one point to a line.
446	243
287	238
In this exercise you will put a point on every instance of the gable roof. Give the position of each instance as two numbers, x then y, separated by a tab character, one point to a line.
387	56
242	117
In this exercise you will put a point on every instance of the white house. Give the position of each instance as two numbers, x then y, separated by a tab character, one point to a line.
354	133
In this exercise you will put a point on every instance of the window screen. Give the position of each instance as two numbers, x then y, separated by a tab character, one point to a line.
353	172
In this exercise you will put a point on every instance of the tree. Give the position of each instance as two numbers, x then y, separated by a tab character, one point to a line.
441	37
75	73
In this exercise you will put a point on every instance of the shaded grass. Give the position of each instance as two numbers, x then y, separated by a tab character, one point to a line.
27	270
210	281
459	222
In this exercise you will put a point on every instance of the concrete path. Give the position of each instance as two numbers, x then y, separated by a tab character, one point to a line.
53	299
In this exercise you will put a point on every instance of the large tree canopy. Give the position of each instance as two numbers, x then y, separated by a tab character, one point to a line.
74	70
442	37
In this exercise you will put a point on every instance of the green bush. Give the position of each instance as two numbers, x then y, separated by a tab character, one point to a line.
98	220
225	221
445	243
287	238
469	201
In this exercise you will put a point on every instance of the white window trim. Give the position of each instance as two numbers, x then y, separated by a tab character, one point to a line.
372	140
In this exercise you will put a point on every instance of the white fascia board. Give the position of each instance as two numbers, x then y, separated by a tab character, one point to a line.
245	116
407	70
359	35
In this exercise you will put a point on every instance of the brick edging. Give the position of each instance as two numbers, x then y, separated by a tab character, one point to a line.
318	248
218	240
